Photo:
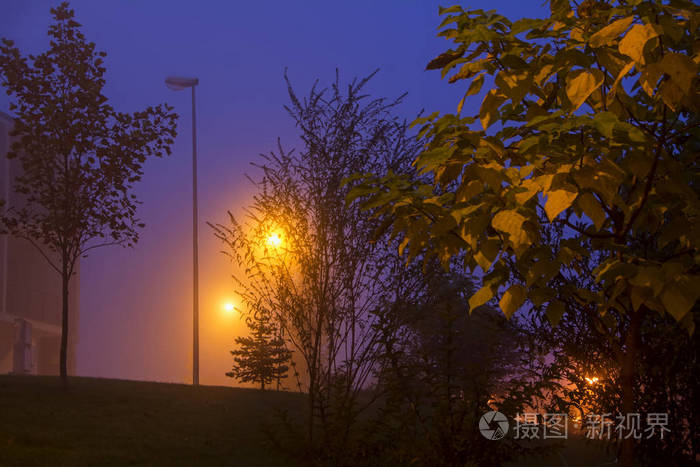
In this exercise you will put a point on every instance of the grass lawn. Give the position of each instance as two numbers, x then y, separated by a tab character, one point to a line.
116	422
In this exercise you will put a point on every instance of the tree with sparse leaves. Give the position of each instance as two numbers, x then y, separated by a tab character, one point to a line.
263	356
79	157
586	155
325	277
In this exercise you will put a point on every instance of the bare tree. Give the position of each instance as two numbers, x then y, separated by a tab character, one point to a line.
311	259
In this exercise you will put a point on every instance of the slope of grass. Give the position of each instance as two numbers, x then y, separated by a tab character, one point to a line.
116	422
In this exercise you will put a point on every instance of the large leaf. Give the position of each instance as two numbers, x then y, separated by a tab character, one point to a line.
489	108
513	299
511	222
635	40
474	88
609	33
557	201
580	84
482	296
681	69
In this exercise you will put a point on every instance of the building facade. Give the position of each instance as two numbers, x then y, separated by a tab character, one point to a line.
30	292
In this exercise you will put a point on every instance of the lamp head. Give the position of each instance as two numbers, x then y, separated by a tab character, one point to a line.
178	83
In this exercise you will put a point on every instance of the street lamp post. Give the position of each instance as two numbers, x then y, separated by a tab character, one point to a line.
178	84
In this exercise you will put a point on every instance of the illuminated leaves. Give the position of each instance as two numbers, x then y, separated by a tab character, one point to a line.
489	108
609	33
580	84
635	40
483	295
511	223
512	299
557	201
588	128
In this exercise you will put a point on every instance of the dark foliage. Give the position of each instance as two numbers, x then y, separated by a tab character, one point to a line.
263	356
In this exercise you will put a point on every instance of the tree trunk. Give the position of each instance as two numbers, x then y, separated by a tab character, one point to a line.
65	279
628	376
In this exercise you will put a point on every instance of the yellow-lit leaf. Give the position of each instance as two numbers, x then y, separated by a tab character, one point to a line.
513	299
609	33
592	208
544	181
557	201
634	41
489	108
531	189
526	170
511	222
474	88
482	296
580	84
404	243
544	73
475	85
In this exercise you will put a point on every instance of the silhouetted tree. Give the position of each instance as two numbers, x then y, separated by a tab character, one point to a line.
445	369
79	157
325	274
262	357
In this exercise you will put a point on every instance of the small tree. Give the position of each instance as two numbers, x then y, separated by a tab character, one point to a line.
262	357
445	370
79	156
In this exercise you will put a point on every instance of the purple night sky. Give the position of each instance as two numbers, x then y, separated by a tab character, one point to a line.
136	304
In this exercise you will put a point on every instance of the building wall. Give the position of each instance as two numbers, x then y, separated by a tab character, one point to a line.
29	288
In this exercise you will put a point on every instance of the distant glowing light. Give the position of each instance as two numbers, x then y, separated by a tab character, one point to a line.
592	380
229	307
274	240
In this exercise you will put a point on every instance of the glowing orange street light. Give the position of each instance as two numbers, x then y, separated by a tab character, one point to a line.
592	380
274	240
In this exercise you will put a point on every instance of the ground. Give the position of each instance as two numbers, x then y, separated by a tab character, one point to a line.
115	422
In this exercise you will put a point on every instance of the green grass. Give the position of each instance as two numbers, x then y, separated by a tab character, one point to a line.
115	422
